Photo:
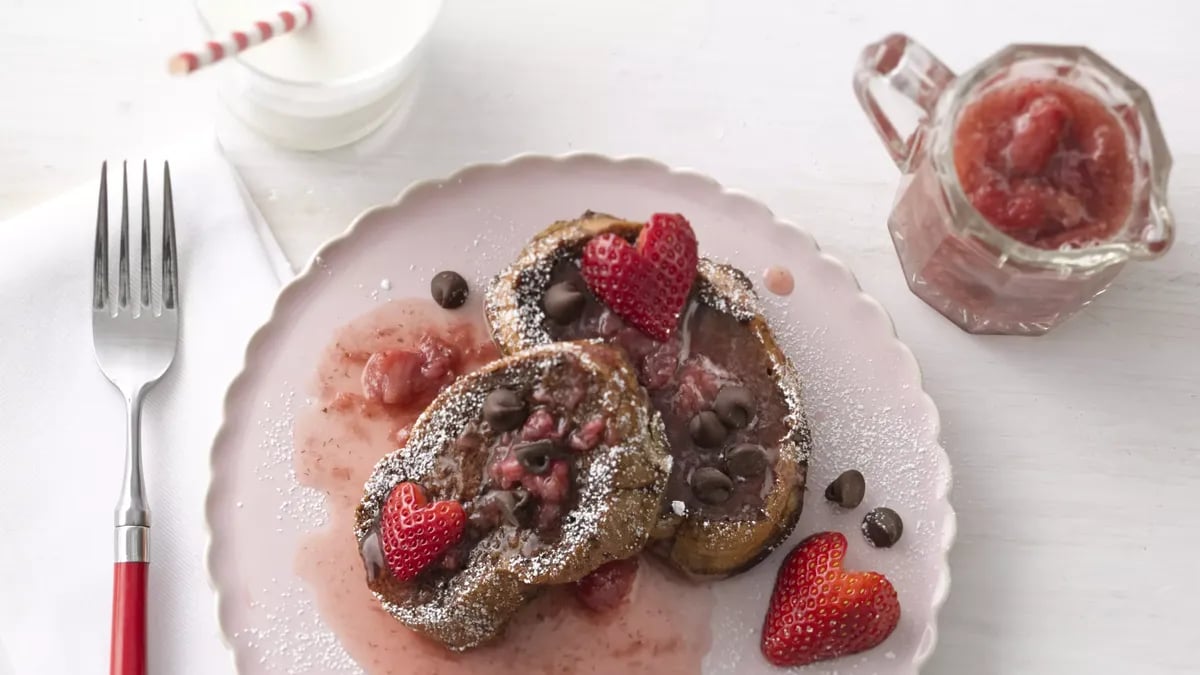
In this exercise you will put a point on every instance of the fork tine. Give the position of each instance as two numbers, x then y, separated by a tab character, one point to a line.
100	255
144	243
123	264
169	258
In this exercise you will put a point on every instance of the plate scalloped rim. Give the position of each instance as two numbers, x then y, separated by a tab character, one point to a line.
880	315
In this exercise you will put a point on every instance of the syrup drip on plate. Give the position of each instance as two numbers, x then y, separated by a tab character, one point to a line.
779	281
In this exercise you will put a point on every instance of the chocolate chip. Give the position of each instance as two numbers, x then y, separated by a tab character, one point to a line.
372	556
746	460
735	406
523	498
493	508
706	429
504	409
563	302
710	485
449	289
847	490
536	456
882	526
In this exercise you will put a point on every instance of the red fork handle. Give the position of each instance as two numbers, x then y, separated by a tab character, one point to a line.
128	655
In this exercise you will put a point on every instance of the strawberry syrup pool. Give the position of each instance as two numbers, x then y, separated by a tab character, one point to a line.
1045	162
663	627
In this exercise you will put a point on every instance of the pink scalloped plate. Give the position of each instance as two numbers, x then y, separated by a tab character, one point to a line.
862	387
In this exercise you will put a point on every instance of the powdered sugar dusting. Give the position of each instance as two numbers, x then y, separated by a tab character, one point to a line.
292	639
299	507
288	636
495	241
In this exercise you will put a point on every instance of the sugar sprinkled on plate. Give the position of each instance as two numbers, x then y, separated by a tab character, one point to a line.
292	638
299	506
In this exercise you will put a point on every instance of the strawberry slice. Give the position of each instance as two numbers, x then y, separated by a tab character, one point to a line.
415	534
819	611
1038	132
402	376
608	585
646	283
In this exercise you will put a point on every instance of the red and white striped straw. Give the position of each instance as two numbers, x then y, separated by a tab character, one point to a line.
285	21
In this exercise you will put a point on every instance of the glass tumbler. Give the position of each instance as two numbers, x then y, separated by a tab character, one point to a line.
305	112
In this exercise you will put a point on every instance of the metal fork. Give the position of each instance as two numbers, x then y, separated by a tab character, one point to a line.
135	330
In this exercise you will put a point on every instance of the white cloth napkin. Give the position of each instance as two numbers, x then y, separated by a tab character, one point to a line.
63	426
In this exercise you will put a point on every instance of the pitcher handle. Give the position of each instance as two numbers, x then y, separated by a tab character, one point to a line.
1159	233
911	71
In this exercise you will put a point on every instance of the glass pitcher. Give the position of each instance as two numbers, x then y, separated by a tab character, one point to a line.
953	257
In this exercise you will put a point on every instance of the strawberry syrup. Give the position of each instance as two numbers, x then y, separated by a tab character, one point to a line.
1046	163
663	627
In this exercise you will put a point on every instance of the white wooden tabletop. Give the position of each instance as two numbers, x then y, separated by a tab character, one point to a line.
1076	455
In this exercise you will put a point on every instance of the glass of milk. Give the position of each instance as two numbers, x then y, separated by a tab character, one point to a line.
331	83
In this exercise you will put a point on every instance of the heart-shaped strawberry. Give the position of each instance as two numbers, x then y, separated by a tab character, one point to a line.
415	534
646	283
819	611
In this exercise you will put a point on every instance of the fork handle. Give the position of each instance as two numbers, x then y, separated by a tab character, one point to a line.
129	619
128	651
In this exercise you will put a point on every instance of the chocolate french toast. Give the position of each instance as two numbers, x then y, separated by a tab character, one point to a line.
534	470
704	355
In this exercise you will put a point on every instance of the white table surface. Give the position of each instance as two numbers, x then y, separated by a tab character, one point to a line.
1076	455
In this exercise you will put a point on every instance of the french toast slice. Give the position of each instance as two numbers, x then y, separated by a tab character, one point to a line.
737	480
559	465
